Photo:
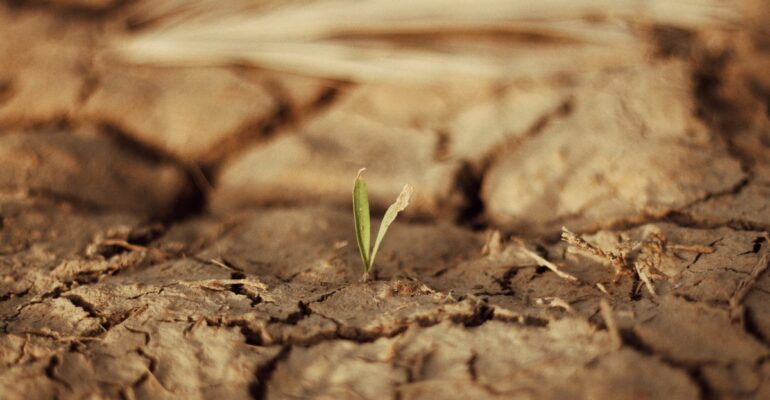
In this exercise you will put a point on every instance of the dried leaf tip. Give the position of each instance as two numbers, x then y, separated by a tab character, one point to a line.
404	197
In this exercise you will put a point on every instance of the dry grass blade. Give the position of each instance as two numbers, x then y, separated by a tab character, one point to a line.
373	39
649	259
615	259
641	270
545	263
609	320
601	288
691	248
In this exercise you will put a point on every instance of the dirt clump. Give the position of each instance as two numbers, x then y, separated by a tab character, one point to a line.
590	218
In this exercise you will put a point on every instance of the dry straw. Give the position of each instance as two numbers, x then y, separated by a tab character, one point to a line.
417	40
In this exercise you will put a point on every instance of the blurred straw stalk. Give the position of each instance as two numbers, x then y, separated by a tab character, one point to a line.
419	40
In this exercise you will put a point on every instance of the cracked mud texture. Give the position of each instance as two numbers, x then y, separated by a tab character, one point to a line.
186	232
41	54
631	148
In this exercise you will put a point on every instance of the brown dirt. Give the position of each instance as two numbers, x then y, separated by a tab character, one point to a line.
170	232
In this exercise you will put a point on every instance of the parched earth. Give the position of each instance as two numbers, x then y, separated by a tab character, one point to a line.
173	232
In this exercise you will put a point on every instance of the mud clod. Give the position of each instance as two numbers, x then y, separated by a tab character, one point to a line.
182	229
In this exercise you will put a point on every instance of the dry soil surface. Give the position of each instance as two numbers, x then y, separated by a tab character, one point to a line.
173	232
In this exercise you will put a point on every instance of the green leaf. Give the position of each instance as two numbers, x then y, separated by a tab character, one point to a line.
361	219
390	215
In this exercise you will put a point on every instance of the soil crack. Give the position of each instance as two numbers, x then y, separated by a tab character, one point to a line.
258	388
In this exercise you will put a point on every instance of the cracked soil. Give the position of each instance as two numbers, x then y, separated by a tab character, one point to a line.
177	232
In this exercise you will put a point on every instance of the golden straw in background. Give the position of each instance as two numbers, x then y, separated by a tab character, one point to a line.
419	40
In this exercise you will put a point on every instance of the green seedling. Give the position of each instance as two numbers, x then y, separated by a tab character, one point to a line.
363	223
